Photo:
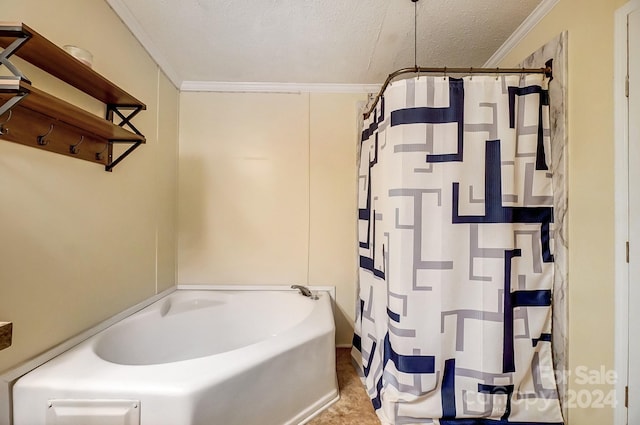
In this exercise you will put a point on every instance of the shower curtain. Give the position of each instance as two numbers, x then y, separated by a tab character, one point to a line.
455	221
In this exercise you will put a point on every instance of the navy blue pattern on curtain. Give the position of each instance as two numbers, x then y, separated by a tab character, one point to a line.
456	253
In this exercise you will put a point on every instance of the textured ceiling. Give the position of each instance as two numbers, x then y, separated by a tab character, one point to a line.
317	41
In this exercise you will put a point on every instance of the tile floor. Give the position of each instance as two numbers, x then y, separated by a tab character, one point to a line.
354	406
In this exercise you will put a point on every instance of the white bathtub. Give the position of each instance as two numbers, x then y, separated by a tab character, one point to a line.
193	358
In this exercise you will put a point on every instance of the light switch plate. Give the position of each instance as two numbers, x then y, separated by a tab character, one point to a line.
6	332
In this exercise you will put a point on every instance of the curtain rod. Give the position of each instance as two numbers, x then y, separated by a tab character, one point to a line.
548	71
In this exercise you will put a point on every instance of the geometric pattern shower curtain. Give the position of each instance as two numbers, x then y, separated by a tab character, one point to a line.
456	253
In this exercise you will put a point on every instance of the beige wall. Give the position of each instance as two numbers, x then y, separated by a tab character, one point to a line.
591	185
267	192
80	244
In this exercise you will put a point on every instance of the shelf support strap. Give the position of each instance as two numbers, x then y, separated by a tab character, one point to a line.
6	106
10	50
125	120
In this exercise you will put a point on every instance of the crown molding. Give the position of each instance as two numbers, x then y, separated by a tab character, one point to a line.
125	15
521	32
250	87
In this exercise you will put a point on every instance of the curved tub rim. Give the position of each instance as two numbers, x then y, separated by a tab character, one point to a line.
9	377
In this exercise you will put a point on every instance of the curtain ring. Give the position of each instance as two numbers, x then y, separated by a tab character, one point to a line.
445	73
74	148
3	130
497	73
470	73
41	139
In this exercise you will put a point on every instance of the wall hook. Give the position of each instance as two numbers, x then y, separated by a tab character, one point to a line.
99	154
74	148
4	130
41	139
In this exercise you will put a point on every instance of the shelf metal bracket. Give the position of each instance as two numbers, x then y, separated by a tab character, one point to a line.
7	83
125	120
21	38
10	103
110	161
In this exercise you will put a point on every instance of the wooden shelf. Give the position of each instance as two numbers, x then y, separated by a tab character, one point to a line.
69	130
6	332
61	111
56	61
